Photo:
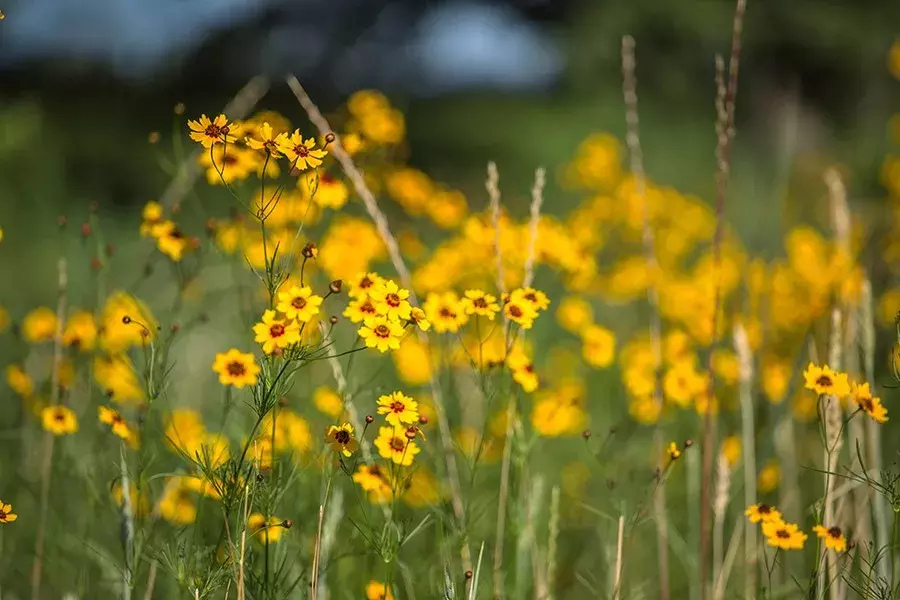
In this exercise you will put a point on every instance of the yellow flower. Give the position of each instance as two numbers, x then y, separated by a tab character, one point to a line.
399	409
80	331
731	449
421	489
673	451
140	502
227	164
391	300
682	382
177	504
4	314
185	431
341	439
378	591
19	381
574	313
6	513
381	333
769	478
116	422
445	312
522	370
299	303
644	409
599	347
520	310
776	375
763	513
362	284
559	413
302	154
894	59
39	325
117	377
871	405
328	401
170	240
536	298
236	368
725	365
447	208
373	480
151	214
208	132
59	420
265	139
125	322
392	443
786	536
822	380
417	316
276	334
833	536
265	533
360	309
413	361
477	302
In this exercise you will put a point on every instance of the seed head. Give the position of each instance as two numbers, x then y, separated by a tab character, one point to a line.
335	286
423	420
370	419
110	249
179	108
688	443
175	328
411	432
309	250
287	523
329	138
153	137
333	320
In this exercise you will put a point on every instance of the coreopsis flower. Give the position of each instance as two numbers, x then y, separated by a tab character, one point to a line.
20	382
118	425
822	380
265	140
871	405
833	536
417	316
151	215
574	313
786	536
762	512
328	401
381	333
177	504
303	154
477	302
6	513
340	438
39	325
599	346
331	192
372	479
264	532
673	451
682	382
537	298
398	409
421	489
227	164
362	284
236	368
391	300
116	375
522	370
170	240
59	420
769	477
393	444
520	311
216	131
80	331
360	309
445	312
299	303
378	591
274	333
125	322
185	431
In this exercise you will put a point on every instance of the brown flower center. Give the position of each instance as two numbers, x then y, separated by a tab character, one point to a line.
392	300
366	282
515	311
397	407
398	444
214	131
301	151
276	330
532	297
447	313
824	381
480	302
764	509
270	146
299	302
383	331
342	437
59	416
236	368
368	307
2	515
783	534
835	532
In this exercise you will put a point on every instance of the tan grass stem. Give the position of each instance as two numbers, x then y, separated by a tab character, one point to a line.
730	556
537	201
725	103
620	547
832	425
49	438
748	437
151	581
381	225
720	505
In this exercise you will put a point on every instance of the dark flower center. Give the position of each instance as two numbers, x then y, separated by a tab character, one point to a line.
824	381
532	297
480	302
783	534
397	407
236	368
515	311
366	282
276	330
764	509
392	300
342	437
298	302
229	159
2	516
398	444
301	151
59	416
383	331
835	532
214	131
447	313
368	307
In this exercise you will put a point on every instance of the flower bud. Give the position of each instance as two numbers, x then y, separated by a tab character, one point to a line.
335	286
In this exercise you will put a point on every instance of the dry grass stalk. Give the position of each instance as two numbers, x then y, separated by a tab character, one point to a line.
730	556
241	591
720	505
492	185
620	546
832	417
725	104
151	581
633	141
537	201
49	439
748	437
384	231
189	170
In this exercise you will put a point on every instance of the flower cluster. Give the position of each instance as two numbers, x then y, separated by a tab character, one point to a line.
827	382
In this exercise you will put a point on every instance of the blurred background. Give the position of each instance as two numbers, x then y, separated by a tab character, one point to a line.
520	82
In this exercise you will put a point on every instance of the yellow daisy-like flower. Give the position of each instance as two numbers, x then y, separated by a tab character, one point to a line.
786	536
274	333
170	240
399	409
59	420
871	405
332	193
445	312
80	331
20	382
177	504
673	451
265	532
360	309
822	380
341	439
303	154
378	591
599	346
391	300
373	480
381	333
39	325
6	513
216	131
417	317
299	303
227	164
522	370
520	311
537	298
363	284
477	302
393	444
762	513
113	418
833	536
266	141
236	368
328	401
